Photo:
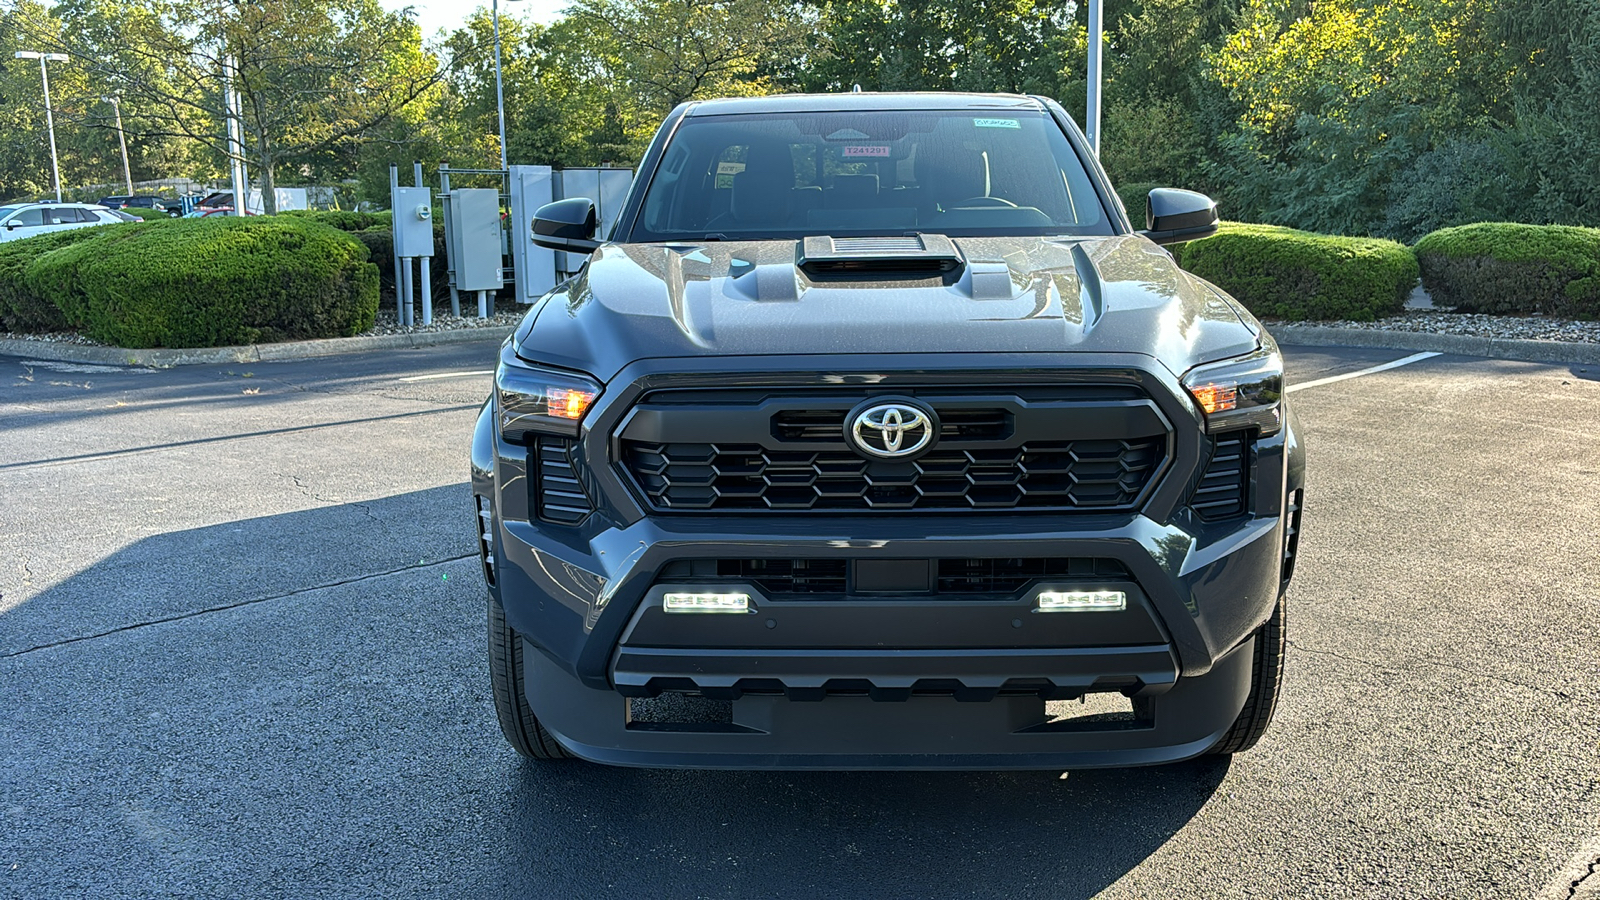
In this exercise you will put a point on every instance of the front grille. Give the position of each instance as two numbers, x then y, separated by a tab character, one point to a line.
799	425
1222	490
1059	475
1007	576
811	578
561	498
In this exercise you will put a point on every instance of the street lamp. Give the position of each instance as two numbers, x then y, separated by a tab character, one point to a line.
127	173
49	116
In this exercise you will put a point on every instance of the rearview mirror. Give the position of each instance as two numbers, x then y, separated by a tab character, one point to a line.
1172	216
566	225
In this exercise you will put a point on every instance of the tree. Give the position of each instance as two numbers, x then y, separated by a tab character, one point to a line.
669	51
1026	46
313	75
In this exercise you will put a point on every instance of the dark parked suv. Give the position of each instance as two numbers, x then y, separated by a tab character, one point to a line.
876	436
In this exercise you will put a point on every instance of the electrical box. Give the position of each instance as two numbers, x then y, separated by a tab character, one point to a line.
413	221
476	239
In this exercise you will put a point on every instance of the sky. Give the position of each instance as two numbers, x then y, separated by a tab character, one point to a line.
433	15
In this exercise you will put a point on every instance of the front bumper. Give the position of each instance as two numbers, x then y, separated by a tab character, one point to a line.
919	682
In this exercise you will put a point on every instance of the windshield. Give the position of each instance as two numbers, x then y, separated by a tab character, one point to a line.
872	173
7	210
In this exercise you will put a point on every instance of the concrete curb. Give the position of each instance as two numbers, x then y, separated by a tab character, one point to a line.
162	359
1465	345
1293	335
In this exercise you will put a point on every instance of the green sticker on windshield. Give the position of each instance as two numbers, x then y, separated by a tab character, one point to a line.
996	123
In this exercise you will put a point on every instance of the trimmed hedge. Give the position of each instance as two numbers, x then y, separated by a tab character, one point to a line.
209	282
1282	273
347	220
1498	267
149	215
25	310
1135	197
380	244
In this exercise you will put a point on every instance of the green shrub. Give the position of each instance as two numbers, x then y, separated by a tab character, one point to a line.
211	282
1134	198
1498	267
1282	273
149	215
346	220
23	309
380	244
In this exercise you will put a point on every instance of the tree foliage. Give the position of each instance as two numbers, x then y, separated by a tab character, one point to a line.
1360	117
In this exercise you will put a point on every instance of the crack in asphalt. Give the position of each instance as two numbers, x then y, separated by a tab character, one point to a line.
1558	695
1593	867
242	603
366	509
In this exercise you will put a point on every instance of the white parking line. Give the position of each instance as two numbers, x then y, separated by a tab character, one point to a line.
448	375
1415	357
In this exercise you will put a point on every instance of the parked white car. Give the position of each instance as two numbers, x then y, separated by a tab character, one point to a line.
23	220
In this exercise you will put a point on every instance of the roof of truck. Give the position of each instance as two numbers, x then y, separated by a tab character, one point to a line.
860	101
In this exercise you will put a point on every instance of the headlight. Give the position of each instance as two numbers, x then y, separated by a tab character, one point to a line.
1240	392
537	399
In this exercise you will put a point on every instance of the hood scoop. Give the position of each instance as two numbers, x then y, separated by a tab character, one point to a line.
912	256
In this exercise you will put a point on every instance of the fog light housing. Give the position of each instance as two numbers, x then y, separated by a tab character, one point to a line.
697	602
1082	601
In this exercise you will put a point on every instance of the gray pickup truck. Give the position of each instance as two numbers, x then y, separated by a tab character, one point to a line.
873	435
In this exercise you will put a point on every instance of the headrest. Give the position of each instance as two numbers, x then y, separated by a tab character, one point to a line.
761	193
854	191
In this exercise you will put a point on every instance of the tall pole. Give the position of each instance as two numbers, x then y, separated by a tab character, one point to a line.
127	173
235	140
49	114
1092	120
499	88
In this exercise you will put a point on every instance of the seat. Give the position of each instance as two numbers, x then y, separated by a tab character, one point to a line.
762	193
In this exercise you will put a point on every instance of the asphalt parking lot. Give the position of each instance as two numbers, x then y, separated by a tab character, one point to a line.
241	655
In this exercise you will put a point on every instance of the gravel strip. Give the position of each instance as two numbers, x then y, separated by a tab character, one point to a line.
1522	328
1530	328
387	324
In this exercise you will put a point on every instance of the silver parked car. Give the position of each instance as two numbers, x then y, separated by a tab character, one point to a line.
23	220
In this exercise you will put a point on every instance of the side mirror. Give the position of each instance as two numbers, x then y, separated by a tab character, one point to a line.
1172	216
566	225
12	225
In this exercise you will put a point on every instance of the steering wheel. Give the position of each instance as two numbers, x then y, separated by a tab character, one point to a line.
982	203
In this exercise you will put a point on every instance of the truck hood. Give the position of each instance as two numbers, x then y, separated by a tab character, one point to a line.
1012	295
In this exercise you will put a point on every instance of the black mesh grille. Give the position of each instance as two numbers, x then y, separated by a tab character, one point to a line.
829	577
1007	576
561	497
1221	493
1064	475
775	577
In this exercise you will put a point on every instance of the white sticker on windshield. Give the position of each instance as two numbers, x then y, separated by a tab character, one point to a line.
868	150
996	123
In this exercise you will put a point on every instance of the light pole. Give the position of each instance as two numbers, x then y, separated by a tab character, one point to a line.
49	116
127	173
499	88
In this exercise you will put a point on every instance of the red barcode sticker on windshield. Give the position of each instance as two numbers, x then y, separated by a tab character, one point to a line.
866	150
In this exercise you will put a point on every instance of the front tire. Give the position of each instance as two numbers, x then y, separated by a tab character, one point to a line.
517	721
1266	680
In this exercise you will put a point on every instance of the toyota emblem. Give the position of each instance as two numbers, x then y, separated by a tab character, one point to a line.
893	430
